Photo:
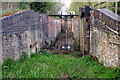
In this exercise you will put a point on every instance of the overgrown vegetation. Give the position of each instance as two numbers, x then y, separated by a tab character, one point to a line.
75	5
112	4
47	65
41	7
24	5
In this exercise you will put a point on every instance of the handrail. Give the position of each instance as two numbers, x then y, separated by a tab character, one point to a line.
116	8
98	4
108	26
113	7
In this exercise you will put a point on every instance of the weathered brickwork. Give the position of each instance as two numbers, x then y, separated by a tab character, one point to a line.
25	31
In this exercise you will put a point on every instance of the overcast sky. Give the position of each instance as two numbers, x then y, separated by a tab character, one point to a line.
66	5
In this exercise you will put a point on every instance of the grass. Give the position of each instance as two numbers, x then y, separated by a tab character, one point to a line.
47	65
10	12
7	12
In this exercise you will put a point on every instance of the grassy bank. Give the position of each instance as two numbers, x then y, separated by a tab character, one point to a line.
47	65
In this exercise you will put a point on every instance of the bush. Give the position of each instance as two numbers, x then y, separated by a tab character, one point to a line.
43	51
8	64
117	73
33	55
24	5
41	7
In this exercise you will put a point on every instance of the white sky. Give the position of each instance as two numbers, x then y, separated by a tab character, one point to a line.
66	5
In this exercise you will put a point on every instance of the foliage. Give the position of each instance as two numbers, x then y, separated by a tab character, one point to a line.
8	64
76	5
4	12
32	55
23	57
41	6
57	66
43	51
46	7
113	5
9	5
24	5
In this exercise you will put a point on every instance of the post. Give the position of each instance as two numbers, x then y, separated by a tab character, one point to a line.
99	5
107	4
116	6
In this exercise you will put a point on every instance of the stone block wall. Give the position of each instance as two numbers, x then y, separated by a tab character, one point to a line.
104	43
24	31
99	35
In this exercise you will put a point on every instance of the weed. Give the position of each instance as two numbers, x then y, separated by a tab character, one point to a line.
47	65
23	57
8	64
33	55
117	73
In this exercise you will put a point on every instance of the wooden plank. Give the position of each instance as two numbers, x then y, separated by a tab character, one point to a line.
33	44
98	4
113	7
116	7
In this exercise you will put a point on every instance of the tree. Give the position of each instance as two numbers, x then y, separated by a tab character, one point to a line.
9	5
46	7
24	5
112	4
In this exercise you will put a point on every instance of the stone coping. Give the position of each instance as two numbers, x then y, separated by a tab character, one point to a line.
110	14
